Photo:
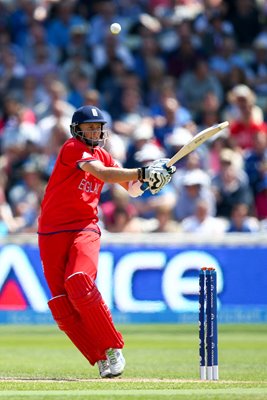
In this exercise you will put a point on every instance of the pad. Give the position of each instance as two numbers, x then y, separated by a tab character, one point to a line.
95	314
69	321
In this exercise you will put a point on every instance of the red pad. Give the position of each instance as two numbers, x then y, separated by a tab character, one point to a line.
69	321
88	301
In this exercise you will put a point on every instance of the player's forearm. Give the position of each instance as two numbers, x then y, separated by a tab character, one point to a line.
116	175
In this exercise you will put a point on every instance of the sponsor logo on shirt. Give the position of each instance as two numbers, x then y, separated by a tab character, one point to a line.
89	187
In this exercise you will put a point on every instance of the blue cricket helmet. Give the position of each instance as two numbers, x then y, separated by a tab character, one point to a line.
87	114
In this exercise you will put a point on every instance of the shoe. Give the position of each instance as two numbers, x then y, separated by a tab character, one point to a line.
104	369
116	361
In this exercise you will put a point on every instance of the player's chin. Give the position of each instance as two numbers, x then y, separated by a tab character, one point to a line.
92	143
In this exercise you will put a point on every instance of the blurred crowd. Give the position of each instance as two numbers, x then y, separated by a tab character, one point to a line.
177	67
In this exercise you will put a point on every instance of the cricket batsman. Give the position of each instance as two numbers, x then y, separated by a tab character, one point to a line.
69	236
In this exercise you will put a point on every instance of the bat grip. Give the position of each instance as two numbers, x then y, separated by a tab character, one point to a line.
168	164
144	186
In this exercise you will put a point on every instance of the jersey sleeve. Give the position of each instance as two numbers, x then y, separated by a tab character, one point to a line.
101	155
75	152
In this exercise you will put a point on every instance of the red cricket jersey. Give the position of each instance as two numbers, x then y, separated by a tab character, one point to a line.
72	195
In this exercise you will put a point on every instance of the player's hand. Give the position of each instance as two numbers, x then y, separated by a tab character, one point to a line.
155	177
162	162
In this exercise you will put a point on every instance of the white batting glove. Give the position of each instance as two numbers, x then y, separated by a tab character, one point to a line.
155	177
162	162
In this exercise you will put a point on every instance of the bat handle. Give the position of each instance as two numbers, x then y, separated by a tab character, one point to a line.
168	164
144	186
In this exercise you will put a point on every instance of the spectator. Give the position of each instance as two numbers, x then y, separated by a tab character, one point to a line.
165	221
118	211
242	104
104	53
37	38
202	222
142	135
148	50
78	45
79	82
77	62
133	111
216	146
13	108
25	196
236	76
54	118
41	65
32	93
153	83
246	14
209	113
240	220
12	71
184	57
110	82
258	68
217	30
225	58
56	92
256	161
20	17
248	119
59	27
19	136
194	85
8	223
123	222
105	14
231	187
195	186
167	116
57	137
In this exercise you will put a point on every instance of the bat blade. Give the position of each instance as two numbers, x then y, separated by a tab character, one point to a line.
197	140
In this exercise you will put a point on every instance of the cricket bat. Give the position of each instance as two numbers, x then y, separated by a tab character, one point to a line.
196	141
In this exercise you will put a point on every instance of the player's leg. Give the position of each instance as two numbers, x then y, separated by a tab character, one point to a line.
69	321
80	275
65	315
88	301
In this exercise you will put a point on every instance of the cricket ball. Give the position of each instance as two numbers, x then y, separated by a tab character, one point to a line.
115	28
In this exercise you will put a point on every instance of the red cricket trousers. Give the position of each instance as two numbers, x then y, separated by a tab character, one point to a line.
65	253
70	262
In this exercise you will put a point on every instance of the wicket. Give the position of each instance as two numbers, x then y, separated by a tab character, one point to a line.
208	331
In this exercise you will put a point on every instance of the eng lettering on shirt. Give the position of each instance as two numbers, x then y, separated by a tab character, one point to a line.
89	187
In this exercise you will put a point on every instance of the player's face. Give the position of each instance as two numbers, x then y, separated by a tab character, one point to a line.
91	130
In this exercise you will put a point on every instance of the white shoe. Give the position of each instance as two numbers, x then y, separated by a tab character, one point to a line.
116	361
104	369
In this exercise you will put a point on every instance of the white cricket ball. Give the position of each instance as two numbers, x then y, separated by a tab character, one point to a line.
115	28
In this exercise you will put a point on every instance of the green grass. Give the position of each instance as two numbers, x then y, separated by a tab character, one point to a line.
39	362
